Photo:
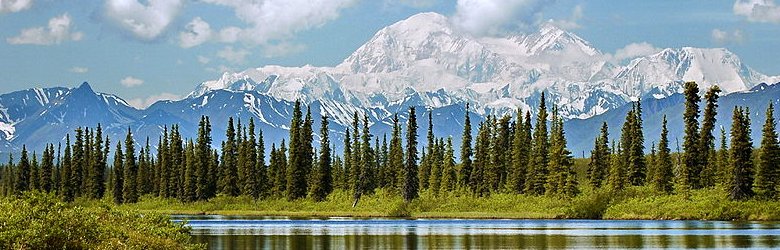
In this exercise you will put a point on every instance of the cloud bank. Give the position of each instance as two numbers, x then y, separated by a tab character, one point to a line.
10	6
265	21
58	31
762	11
144	20
130	82
494	17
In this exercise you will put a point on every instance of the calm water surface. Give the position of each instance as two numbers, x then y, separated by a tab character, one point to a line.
241	232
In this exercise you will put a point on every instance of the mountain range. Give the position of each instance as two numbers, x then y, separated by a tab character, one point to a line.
423	62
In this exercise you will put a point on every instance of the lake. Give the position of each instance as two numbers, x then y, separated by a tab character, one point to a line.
246	232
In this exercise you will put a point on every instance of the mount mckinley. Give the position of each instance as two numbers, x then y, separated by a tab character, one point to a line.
421	62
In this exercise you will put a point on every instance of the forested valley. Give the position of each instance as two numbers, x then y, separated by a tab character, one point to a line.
512	157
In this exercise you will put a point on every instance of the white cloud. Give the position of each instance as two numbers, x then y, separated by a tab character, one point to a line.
235	56
762	11
145	20
271	20
492	17
195	33
58	31
10	6
79	70
572	22
143	103
632	51
130	82
725	37
203	60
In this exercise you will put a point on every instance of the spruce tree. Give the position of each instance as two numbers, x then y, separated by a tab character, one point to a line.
355	161
396	157
57	173
307	150
599	158
68	192
663	175
768	167
177	163
347	179
561	179
520	153
296	173
617	179
7	183
466	152
10	182
190	176
281	174
228	183
130	188
323	179
263	183
47	169
203	153
741	183
35	174
706	145
23	170
250	167
273	166
437	167
481	158
213	172
118	174
449	175
77	166
690	169
163	162
651	164
382	158
146	180
425	164
142	172
369	159
97	174
637	167
411	188
723	160
537	175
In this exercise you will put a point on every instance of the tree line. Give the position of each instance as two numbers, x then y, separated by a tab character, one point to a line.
510	154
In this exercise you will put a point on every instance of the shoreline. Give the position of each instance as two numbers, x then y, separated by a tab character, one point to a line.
432	216
635	203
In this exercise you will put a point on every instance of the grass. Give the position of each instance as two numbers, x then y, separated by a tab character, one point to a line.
632	203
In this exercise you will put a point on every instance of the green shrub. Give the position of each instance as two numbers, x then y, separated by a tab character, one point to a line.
41	221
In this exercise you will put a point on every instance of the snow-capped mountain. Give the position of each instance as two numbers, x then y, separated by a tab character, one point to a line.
426	57
421	62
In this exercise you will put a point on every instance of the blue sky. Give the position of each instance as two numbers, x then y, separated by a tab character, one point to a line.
144	50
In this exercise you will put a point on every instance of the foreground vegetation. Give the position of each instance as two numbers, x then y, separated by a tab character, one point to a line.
42	221
632	203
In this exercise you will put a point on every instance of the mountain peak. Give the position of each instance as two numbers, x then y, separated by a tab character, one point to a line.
84	87
425	17
551	38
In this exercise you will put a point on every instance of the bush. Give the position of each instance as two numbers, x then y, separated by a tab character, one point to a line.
41	221
590	205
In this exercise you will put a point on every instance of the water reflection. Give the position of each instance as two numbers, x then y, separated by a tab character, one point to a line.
340	233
